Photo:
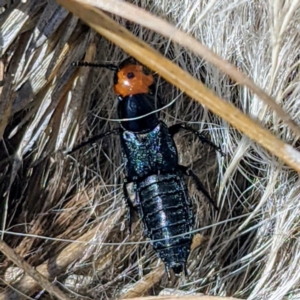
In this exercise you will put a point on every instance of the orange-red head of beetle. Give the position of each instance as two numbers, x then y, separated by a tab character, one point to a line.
130	77
131	80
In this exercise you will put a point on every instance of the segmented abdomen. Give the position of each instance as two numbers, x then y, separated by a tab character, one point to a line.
165	209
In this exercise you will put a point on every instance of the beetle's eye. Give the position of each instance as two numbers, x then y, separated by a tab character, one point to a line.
130	75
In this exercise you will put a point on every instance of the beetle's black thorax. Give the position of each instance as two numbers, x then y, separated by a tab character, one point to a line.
148	153
135	106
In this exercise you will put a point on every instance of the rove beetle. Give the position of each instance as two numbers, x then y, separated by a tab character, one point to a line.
154	185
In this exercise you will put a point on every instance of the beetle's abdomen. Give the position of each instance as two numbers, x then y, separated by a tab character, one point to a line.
165	209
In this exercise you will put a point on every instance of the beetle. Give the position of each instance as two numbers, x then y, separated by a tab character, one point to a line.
154	184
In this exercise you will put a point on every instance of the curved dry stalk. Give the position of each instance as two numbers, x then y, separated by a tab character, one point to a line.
141	16
58	264
188	84
141	287
32	272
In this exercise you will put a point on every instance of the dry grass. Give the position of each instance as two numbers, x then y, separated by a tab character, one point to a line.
65	215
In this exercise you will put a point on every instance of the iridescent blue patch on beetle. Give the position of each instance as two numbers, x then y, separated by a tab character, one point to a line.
148	153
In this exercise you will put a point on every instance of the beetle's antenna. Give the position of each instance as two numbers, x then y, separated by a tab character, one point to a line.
94	65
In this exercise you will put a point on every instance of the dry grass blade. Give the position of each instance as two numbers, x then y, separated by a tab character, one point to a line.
57	264
141	16
5	104
38	277
192	87
141	287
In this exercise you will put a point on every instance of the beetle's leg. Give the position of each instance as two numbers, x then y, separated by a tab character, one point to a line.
177	127
94	139
199	185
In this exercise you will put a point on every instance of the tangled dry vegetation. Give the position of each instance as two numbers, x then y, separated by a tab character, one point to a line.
65	215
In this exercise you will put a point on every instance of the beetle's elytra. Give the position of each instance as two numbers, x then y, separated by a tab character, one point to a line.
154	184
